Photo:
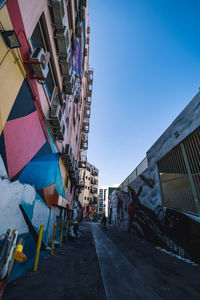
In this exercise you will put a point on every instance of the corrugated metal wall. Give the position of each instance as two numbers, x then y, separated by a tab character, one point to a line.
179	174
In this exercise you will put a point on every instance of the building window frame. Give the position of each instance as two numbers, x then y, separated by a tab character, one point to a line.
51	64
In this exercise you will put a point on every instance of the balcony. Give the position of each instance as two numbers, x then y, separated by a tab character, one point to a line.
84	137
95	182
95	200
68	84
93	190
87	112
80	185
89	90
90	76
84	141
88	101
82	159
85	127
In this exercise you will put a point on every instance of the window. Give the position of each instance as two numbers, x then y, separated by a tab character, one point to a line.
39	39
85	198
179	174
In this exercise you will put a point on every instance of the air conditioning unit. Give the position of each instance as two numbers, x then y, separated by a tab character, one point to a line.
85	51
79	30
58	13
82	13
59	132
62	39
55	116
39	63
65	65
68	84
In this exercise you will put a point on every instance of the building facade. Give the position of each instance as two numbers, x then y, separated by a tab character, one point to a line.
103	199
161	197
89	177
46	92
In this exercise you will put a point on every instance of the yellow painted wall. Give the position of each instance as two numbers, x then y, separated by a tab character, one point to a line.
64	174
11	77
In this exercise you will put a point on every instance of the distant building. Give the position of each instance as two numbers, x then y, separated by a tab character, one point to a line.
104	193
89	179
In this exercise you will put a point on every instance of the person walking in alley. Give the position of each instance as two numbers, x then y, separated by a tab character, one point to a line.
103	221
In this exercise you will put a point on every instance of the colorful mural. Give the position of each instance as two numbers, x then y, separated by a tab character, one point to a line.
90	214
166	211
32	178
37	187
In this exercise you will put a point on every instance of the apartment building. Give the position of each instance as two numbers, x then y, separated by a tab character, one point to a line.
103	198
46	92
89	179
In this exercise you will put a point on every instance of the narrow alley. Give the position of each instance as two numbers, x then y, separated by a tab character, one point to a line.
108	264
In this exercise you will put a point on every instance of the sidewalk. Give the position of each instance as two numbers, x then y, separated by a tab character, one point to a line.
71	273
108	264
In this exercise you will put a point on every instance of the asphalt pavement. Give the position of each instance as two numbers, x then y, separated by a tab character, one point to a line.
108	264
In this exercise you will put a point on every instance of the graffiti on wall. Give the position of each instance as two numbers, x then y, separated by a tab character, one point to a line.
164	227
30	169
90	214
119	207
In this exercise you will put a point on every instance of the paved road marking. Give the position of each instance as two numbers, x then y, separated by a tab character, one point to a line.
121	280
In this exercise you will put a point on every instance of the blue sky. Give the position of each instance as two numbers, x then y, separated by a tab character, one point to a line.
146	60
